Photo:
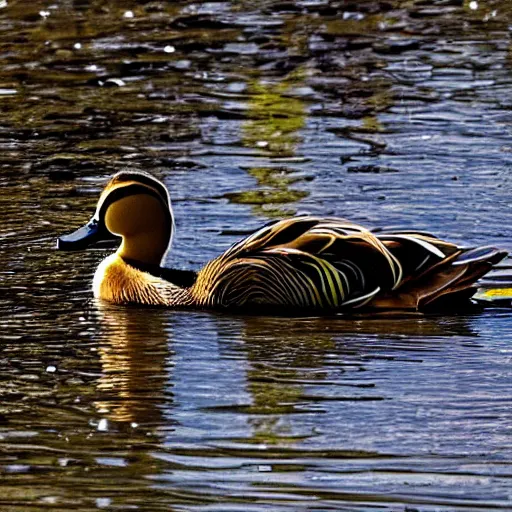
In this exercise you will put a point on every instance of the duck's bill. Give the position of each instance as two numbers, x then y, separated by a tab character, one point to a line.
91	234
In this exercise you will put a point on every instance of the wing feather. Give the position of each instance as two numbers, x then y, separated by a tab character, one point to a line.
322	263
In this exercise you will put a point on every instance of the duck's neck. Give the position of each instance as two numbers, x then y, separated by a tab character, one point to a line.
147	248
180	278
120	282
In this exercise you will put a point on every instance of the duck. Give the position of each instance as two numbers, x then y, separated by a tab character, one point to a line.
295	265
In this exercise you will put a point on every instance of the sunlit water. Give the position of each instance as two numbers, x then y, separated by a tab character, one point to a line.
387	113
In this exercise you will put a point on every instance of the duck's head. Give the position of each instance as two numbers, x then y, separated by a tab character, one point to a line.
135	207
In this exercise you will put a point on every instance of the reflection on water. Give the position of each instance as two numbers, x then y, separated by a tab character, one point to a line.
275	118
273	127
300	356
389	113
213	407
135	361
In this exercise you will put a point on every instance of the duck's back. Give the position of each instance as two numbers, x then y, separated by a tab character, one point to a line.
330	264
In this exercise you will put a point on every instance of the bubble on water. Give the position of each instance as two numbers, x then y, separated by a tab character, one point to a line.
51	369
50	500
182	64
44	14
103	502
355	16
77	46
169	49
128	14
102	425
473	5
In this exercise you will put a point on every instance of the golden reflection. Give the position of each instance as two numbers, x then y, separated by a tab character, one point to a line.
134	357
270	200
372	124
275	118
277	389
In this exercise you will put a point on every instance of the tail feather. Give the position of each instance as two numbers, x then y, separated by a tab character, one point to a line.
487	254
463	286
447	283
476	263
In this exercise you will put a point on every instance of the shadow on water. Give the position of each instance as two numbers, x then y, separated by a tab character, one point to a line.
388	113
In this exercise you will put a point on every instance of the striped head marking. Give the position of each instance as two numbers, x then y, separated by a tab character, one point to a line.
136	207
134	202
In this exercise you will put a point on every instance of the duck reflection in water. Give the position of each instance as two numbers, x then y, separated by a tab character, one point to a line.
134	355
279	364
288	365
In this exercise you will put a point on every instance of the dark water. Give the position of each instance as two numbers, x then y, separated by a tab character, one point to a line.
389	113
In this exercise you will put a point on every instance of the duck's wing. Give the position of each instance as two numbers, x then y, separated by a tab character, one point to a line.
330	263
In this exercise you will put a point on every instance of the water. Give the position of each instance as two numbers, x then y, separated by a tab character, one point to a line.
387	113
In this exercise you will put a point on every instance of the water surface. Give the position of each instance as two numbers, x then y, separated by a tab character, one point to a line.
387	113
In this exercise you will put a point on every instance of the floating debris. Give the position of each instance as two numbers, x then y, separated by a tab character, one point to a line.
371	169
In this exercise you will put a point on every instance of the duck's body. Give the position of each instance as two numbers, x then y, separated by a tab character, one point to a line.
294	265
